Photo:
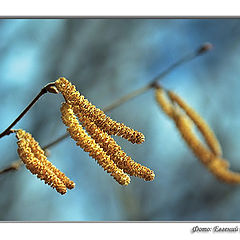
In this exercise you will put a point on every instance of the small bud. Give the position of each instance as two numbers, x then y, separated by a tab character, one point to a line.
204	48
51	88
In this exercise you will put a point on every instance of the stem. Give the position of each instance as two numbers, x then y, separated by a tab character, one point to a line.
181	61
126	98
139	91
44	90
55	141
14	166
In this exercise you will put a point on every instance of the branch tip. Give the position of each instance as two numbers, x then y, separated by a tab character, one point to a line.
205	47
51	88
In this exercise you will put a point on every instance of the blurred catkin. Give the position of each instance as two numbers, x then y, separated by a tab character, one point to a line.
74	98
202	126
35	160
184	125
185	122
109	145
89	145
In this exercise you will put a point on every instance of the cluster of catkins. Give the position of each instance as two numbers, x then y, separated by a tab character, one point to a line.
78	113
185	118
35	160
96	138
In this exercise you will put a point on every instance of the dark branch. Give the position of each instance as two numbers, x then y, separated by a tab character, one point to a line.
47	88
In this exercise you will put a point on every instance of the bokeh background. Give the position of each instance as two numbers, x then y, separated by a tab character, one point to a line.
106	59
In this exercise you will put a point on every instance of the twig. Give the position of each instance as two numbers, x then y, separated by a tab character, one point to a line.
201	50
14	166
154	83
55	141
48	88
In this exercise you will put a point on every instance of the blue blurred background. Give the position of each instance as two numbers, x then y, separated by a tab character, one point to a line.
106	59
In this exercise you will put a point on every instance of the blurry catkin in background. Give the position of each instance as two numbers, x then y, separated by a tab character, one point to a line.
211	157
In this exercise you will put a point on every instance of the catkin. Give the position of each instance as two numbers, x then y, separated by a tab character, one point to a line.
109	145
39	154
217	166
35	165
184	125
202	126
73	97
89	145
211	157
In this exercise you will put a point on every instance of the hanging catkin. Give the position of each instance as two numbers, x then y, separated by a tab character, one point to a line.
108	144
202	126
185	122
35	160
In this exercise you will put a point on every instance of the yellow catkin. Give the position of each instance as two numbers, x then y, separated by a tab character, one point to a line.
211	157
184	126
109	145
35	165
203	127
218	167
164	102
73	97
39	154
89	145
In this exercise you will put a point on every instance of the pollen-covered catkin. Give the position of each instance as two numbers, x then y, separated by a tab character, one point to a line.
73	97
217	166
185	122
202	126
109	145
35	165
184	125
89	145
39	154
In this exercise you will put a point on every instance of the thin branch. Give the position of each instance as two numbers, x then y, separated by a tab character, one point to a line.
127	98
201	50
154	83
55	141
14	166
48	88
